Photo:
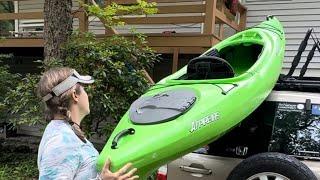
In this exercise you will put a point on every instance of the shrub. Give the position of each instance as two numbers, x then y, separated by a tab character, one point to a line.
7	82
116	63
18	166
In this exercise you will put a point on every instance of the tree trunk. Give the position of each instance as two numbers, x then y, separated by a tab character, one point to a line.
57	27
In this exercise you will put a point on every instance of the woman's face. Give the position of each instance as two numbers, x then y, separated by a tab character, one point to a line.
83	102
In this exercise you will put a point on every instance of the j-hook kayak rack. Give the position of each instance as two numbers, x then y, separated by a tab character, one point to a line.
300	82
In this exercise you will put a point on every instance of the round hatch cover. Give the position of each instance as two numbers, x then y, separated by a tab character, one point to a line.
161	107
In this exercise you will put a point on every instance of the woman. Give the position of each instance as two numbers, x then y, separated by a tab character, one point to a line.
64	152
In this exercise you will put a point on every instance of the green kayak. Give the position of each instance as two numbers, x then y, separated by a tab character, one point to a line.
199	103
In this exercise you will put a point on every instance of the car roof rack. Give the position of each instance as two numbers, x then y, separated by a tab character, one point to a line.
301	83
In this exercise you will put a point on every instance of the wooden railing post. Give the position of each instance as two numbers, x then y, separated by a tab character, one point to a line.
243	17
107	2
83	20
175	60
210	17
221	26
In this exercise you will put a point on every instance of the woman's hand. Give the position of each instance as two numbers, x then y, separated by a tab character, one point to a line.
122	174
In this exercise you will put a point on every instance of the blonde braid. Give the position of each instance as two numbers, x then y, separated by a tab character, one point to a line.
59	105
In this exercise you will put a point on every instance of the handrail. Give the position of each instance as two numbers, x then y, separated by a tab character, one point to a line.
157	1
209	13
30	15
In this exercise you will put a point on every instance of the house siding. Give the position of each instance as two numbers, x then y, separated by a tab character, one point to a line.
37	6
296	16
96	26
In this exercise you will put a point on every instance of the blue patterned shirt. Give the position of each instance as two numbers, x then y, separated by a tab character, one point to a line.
62	155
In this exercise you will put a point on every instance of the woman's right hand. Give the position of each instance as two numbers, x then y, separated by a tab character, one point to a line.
121	174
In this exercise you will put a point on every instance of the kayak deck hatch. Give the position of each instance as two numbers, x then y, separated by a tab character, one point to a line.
162	107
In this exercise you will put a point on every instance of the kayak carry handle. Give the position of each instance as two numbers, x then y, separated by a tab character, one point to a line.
125	132
297	58
270	17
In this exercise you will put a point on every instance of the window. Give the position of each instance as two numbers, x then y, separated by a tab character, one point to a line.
296	130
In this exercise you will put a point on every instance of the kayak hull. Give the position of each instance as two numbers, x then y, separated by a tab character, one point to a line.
220	105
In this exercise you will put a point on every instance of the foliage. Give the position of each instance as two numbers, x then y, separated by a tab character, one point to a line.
15	166
116	63
109	15
6	25
24	106
7	82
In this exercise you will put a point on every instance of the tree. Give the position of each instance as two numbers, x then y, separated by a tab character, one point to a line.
5	26
57	27
116	63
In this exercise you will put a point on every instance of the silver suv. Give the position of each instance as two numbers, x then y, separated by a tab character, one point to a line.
279	141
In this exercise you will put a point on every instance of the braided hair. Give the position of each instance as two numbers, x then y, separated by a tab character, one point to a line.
59	105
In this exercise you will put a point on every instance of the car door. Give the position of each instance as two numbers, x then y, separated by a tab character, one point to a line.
201	166
249	138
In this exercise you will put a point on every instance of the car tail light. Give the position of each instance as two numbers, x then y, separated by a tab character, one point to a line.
162	173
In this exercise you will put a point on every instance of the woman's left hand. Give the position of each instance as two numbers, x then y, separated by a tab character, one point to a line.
121	174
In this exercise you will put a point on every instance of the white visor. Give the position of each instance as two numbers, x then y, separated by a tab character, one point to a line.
68	83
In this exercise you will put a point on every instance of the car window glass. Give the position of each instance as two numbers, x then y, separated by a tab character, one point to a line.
251	136
296	130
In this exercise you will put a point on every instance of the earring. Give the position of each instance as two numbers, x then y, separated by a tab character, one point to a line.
69	115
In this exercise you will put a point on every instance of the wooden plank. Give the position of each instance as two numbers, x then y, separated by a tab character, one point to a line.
30	130
179	9
222	19
243	19
22	42
28	15
157	1
83	18
163	20
200	8
148	77
221	31
176	40
161	42
214	40
209	23
204	41
30	133
175	60
221	26
182	50
83	21
241	7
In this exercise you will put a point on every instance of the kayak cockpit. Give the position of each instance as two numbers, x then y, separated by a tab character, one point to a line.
208	67
242	56
229	62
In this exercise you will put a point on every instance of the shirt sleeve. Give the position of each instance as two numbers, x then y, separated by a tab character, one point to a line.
60	159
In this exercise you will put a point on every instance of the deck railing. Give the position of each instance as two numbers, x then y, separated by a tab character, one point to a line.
211	20
209	13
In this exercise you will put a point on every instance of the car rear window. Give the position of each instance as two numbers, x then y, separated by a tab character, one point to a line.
296	129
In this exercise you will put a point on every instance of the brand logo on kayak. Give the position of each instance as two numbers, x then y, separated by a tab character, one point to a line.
204	121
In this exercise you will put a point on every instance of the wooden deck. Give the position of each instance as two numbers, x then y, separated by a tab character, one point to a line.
212	15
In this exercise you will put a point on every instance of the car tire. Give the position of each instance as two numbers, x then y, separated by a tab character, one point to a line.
271	165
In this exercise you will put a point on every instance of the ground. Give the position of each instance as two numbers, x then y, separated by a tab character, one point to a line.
17	162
